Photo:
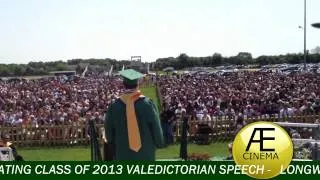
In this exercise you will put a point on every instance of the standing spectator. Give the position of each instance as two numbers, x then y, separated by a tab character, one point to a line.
176	125
206	119
184	136
167	118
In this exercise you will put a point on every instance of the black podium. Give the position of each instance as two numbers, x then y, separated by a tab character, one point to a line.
202	135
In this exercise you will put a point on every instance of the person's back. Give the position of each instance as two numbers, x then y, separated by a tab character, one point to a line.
148	123
132	122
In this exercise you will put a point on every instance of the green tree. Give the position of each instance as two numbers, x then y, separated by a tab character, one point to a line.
244	58
60	66
182	61
216	59
262	60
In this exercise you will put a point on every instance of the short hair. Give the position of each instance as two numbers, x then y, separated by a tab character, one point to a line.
130	86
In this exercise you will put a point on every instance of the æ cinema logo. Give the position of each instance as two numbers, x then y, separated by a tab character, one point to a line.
265	146
265	153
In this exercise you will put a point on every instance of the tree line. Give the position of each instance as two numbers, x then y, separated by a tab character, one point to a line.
243	58
44	68
180	62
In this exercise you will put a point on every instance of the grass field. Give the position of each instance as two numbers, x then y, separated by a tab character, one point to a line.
151	93
83	153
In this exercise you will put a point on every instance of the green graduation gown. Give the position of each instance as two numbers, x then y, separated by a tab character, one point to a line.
149	127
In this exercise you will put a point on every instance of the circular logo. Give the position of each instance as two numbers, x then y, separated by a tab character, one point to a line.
262	149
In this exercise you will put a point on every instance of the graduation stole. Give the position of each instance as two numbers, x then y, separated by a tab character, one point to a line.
133	129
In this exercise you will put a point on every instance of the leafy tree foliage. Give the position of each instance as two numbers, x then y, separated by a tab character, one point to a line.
180	62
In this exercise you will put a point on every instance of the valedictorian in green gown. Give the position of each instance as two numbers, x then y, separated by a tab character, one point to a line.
132	122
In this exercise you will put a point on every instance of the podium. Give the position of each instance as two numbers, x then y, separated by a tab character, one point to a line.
202	135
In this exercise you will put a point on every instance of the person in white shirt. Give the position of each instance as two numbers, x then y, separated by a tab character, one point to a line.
206	119
17	122
199	114
286	111
178	111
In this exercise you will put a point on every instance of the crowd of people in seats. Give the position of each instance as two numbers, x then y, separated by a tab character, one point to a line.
58	101
238	96
247	94
204	97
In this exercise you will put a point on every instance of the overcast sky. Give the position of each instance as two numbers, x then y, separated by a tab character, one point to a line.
47	30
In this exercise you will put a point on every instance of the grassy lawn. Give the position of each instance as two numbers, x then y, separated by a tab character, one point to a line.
151	93
83	153
214	149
